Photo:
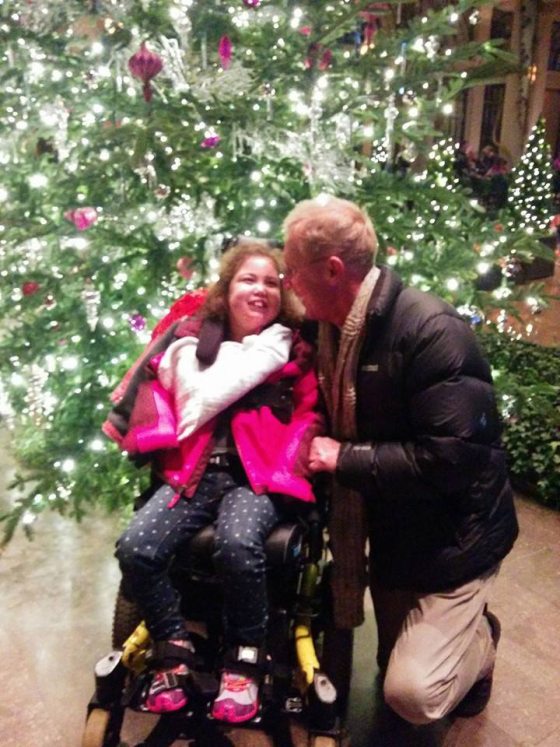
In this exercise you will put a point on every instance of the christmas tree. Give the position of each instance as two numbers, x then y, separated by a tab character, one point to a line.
135	136
531	191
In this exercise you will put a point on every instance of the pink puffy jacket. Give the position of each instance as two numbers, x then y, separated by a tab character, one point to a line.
272	449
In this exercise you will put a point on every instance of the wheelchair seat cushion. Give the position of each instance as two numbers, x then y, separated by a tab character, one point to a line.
282	547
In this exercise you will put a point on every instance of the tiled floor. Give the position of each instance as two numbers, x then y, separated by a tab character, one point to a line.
55	617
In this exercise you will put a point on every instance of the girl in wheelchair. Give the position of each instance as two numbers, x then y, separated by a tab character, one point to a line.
224	403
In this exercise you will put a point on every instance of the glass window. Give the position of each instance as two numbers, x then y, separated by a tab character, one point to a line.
554	57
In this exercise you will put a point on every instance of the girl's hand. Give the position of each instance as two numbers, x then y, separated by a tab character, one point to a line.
323	454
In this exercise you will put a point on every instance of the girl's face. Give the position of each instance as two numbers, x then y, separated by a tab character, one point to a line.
254	297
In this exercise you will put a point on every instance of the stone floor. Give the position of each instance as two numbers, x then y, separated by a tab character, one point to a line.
57	598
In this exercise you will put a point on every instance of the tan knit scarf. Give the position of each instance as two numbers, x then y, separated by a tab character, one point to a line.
338	367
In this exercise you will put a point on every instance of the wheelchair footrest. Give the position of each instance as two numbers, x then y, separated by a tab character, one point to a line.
110	676
322	703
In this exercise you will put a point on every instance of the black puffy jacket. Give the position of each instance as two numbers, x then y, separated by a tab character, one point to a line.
429	458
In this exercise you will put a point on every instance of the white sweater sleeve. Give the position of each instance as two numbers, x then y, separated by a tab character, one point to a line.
201	392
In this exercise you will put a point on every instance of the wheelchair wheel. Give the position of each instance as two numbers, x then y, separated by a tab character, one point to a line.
125	618
97	728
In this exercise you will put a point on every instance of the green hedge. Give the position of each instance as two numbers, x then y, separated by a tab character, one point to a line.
527	379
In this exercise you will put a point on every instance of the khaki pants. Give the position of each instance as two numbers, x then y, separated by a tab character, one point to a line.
437	646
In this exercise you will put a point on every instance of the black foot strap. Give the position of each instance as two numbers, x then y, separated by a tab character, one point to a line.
167	654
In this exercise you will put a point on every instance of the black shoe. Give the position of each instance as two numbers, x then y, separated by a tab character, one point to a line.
476	700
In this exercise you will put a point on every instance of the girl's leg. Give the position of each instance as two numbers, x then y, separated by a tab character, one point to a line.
244	522
144	552
148	544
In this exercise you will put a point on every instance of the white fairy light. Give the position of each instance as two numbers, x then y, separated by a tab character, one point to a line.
28	518
37	181
68	465
16	379
502	292
97	48
70	363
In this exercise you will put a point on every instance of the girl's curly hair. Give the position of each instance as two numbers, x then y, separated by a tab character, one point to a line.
216	303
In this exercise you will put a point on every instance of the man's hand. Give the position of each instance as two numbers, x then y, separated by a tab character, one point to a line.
323	454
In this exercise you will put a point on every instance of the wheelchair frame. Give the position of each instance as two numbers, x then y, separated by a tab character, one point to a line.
296	687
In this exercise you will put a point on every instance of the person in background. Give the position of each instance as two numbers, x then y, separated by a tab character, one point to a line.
416	461
486	159
224	403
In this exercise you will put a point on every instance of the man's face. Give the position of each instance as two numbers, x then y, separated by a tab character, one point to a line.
307	278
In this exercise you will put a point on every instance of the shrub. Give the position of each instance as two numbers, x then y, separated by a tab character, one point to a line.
527	378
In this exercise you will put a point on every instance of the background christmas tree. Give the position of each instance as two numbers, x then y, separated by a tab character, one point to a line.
531	192
135	136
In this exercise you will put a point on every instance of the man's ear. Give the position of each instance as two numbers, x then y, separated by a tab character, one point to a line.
335	266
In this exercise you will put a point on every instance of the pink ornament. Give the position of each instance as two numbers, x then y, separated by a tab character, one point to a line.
211	141
326	59
225	50
252	3
82	218
305	30
30	288
145	65
137	322
184	267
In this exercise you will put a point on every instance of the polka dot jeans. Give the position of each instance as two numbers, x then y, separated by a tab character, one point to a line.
243	521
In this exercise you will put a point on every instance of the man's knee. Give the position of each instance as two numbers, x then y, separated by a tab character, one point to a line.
412	696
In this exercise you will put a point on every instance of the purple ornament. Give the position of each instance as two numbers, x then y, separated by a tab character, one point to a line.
252	3
137	322
211	141
145	65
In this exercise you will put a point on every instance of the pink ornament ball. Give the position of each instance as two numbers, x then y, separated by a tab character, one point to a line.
184	267
30	288
82	218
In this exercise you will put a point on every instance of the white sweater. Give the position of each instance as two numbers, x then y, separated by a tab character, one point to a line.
201	392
